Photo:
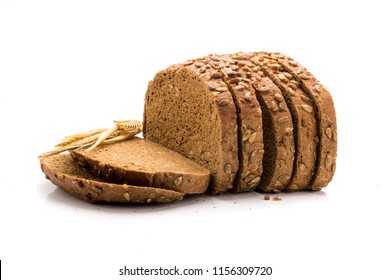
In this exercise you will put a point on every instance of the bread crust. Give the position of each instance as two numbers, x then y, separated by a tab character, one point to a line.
63	172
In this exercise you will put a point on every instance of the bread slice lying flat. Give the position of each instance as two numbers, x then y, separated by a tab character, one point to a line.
63	172
143	163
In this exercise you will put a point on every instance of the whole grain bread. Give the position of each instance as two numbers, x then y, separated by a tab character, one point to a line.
249	120
326	121
303	116
143	163
189	109
277	123
63	172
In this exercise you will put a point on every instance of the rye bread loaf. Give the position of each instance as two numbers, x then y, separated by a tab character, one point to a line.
144	163
63	172
189	109
303	116
326	121
277	125
249	120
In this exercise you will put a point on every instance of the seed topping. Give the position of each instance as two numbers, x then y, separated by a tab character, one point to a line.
328	160
278	97
263	89
228	168
223	102
178	180
252	138
216	75
307	108
328	132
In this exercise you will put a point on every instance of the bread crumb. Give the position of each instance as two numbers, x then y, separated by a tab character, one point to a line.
267	197
277	198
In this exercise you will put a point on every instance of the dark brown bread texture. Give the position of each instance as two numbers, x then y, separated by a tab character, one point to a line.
63	172
303	116
326	121
277	127
189	109
144	163
249	119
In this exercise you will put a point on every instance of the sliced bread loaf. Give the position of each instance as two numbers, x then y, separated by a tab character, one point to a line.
63	172
249	120
303	116
189	109
144	163
326	121
277	128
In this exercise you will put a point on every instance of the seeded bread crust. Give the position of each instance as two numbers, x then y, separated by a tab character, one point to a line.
304	121
326	121
144	163
249	118
224	122
63	172
277	127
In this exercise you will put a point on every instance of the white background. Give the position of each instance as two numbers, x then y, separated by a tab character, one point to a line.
71	66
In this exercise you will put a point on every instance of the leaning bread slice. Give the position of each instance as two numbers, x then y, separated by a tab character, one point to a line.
189	109
143	163
63	172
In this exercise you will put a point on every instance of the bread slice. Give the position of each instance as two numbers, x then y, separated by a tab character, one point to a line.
189	109
326	121
277	128
144	163
63	172
303	116
249	119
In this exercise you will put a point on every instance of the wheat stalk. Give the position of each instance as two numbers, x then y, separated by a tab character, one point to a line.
122	130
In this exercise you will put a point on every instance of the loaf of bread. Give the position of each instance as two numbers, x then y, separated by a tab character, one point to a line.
63	172
238	122
272	95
